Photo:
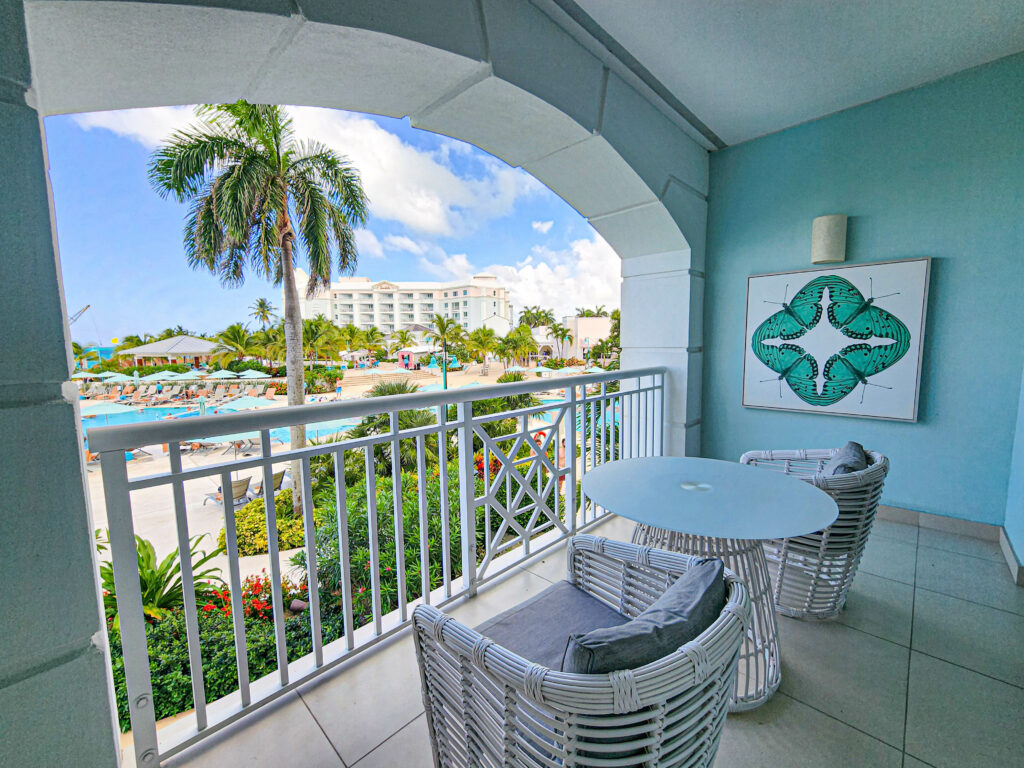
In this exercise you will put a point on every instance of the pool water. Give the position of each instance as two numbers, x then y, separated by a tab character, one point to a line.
318	431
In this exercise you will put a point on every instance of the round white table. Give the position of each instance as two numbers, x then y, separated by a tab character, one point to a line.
718	509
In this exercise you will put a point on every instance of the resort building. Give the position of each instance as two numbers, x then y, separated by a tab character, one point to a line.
177	349
394	306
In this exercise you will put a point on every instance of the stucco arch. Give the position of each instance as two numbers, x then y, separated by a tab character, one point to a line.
459	68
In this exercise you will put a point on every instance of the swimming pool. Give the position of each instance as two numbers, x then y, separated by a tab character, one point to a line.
318	431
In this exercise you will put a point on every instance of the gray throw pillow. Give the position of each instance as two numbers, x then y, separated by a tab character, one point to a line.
686	609
850	458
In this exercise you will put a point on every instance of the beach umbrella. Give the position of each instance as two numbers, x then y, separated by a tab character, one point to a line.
430	388
82	375
541	369
117	378
202	405
158	376
223	373
571	369
107	374
593	367
252	373
135	378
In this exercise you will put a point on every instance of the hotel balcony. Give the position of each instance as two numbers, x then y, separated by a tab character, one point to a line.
704	143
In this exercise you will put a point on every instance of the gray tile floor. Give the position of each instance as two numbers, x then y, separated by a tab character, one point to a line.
924	668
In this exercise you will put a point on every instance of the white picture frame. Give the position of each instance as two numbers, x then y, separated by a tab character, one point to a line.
864	350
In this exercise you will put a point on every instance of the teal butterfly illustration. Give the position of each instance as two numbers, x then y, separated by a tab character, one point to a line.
795	366
850	314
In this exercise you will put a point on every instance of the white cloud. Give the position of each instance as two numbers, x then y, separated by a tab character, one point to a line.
149	127
368	244
587	273
406	184
403	243
542	226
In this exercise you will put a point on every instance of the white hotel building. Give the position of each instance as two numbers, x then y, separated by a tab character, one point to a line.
393	306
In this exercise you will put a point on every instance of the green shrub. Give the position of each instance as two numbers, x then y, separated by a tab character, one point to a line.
251	525
169	663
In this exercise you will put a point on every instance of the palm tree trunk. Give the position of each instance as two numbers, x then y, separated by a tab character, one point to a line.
293	354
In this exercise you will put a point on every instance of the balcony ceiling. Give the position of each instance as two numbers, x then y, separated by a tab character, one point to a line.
746	68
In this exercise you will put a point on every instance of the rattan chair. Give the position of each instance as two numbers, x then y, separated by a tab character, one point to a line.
814	573
487	706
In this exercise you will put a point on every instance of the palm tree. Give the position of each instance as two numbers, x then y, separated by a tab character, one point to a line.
482	342
379	424
272	343
535	316
372	339
404	337
600	311
235	343
445	331
317	334
262	312
350	336
81	355
559	333
518	344
250	184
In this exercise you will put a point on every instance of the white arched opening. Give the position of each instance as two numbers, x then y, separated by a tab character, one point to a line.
499	74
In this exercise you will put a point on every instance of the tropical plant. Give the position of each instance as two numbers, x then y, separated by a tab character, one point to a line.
350	336
518	345
82	355
561	335
598	311
536	316
161	584
372	340
404	338
251	525
318	333
445	331
251	184
481	342
235	343
262	312
380	424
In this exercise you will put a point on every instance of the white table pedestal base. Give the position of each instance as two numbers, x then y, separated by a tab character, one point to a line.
759	674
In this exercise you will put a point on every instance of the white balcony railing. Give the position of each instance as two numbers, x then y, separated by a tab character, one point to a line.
517	494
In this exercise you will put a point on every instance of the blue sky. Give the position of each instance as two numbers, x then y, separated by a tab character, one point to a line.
440	210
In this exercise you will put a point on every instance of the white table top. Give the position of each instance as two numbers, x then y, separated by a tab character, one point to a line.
707	497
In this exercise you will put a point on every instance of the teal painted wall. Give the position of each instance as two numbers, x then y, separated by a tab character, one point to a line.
937	171
1014	522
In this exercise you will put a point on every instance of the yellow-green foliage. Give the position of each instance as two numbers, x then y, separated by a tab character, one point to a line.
251	525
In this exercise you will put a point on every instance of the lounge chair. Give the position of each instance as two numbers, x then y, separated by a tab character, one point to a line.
239	493
279	478
233	390
219	394
271	392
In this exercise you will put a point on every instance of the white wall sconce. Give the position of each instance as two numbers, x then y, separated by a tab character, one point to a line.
828	239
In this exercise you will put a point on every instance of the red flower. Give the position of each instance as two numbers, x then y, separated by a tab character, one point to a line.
208	607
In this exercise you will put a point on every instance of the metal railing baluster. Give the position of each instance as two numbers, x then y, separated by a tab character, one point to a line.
467	496
344	555
188	592
399	514
570	457
237	608
421	493
374	543
132	622
273	553
442	470
312	574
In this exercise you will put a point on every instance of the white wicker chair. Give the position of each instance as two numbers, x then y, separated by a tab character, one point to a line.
814	573
487	706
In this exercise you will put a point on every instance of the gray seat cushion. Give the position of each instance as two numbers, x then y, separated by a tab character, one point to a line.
685	610
850	458
538	628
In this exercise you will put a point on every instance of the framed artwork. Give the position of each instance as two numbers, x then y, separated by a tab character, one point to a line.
843	340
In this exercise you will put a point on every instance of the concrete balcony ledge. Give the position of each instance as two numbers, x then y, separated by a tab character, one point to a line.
925	667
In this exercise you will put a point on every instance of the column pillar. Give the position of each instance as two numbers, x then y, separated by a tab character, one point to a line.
56	700
662	319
